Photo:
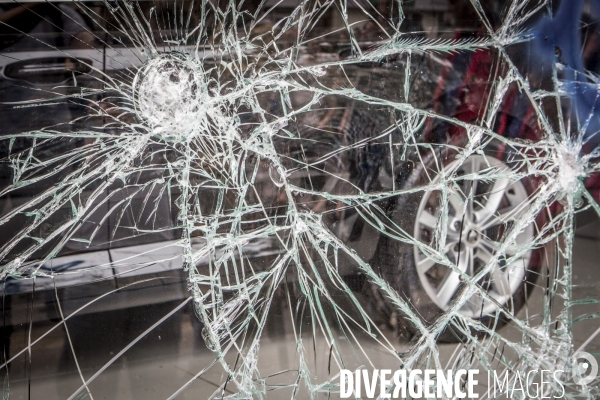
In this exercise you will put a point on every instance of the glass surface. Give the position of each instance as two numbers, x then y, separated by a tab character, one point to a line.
250	199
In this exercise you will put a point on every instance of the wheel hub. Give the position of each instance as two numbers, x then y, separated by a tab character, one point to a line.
480	214
472	237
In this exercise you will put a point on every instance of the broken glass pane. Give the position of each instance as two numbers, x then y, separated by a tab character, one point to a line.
269	197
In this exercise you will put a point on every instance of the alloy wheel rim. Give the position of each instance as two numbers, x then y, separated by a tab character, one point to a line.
479	215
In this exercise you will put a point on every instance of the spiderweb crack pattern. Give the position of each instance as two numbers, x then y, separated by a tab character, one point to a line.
227	126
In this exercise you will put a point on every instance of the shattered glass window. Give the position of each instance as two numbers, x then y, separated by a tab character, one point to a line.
271	199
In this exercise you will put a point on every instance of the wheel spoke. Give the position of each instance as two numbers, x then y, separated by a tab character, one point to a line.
475	163
483	254
448	288
493	200
452	236
427	219
500	282
425	264
452	280
509	251
503	216
457	203
465	263
474	304
469	268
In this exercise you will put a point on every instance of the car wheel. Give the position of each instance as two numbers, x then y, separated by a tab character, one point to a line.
468	233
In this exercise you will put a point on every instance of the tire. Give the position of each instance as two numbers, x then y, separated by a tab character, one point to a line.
430	287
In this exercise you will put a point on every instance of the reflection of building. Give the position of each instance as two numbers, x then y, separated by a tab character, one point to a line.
432	12
430	5
331	19
419	15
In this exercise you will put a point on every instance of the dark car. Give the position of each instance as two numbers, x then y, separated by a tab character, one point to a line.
85	225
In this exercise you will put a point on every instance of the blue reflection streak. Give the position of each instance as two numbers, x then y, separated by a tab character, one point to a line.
557	40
